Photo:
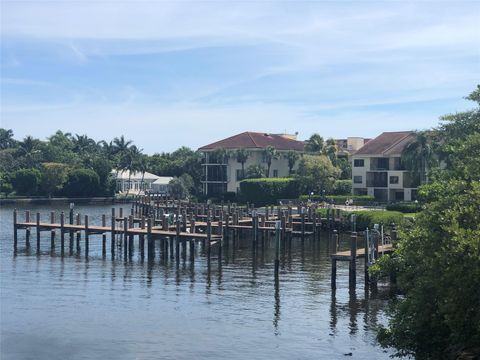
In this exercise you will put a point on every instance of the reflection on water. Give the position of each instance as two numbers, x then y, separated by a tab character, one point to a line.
57	307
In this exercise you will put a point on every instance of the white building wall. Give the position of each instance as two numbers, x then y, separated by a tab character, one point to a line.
256	158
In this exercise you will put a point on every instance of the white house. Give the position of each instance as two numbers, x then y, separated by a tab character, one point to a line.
224	177
140	182
377	169
161	185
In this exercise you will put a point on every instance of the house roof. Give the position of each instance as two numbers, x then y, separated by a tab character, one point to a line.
124	175
163	180
255	140
387	144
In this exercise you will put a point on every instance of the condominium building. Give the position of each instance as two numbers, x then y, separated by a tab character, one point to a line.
377	169
224	175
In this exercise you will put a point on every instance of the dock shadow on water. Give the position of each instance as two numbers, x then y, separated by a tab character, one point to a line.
180	304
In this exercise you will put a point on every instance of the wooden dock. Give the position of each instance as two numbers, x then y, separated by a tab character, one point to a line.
174	224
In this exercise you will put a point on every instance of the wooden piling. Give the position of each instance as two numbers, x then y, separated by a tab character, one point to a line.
112	233
352	274
52	232
15	231
125	237
78	233
177	240
38	231
142	238
62	233
367	255
87	241
150	243
209	237
104	236
131	224
27	230
333	278
277	247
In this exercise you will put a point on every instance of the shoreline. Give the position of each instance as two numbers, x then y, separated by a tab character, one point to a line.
88	200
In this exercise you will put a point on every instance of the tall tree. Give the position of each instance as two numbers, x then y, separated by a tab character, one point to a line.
314	144
28	148
129	162
292	158
270	154
143	165
242	157
330	150
6	139
418	156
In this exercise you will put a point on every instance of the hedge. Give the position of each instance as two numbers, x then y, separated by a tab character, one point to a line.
405	207
342	187
268	190
367	218
341	199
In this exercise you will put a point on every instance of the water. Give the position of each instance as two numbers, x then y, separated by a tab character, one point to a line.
73	308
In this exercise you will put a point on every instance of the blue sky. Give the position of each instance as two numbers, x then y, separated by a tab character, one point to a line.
171	73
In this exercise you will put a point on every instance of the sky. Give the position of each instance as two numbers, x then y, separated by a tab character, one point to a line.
173	73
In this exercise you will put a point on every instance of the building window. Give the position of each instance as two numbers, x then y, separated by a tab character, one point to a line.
393	179
357	179
275	173
359	163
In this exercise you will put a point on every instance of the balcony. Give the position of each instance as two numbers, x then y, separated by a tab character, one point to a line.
377	179
379	164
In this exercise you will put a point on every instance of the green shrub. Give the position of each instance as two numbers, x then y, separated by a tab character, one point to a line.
367	218
405	207
342	187
341	199
269	190
82	182
26	181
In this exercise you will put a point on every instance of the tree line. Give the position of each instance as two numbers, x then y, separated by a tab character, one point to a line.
77	165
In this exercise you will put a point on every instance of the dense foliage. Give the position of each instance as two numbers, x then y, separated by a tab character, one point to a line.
341	199
342	187
76	165
367	219
437	261
316	174
405	207
268	191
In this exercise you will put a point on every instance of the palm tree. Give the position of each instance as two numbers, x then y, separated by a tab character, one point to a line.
330	150
270	154
143	166
242	156
220	156
314	144
292	157
119	149
120	145
62	140
418	156
129	162
28	149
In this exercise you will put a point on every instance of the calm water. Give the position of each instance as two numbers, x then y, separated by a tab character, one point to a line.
71	308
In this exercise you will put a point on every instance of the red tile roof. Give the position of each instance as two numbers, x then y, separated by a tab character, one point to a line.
255	140
387	144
